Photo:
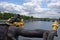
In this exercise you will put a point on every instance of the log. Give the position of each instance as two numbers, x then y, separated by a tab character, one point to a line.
33	33
3	31
52	34
13	32
37	33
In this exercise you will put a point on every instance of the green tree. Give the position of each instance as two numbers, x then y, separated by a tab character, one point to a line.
1	15
7	15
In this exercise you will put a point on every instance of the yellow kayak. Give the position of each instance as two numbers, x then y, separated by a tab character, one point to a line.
18	23
21	23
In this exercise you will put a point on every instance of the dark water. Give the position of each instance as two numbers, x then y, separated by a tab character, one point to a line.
39	25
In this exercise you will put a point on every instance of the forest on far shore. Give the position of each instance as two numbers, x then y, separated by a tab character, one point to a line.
5	15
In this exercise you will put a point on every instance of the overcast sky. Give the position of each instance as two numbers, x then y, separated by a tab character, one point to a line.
36	8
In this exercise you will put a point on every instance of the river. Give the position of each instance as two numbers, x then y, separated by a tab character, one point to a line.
39	25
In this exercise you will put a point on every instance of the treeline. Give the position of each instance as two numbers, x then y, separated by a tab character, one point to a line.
9	15
46	19
6	15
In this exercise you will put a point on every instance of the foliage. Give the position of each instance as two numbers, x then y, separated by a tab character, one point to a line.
9	15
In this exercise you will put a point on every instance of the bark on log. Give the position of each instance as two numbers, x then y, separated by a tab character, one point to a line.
14	32
39	33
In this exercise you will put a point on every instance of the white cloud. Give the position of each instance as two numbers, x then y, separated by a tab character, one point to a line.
33	7
39	9
54	4
44	12
10	7
55	7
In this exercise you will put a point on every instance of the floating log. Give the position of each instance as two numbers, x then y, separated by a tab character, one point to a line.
12	33
33	33
3	31
39	33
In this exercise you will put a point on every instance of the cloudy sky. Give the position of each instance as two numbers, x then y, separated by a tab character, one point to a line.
36	8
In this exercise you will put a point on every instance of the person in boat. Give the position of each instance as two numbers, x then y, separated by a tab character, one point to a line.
16	20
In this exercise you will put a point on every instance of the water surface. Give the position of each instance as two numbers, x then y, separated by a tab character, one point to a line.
39	25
